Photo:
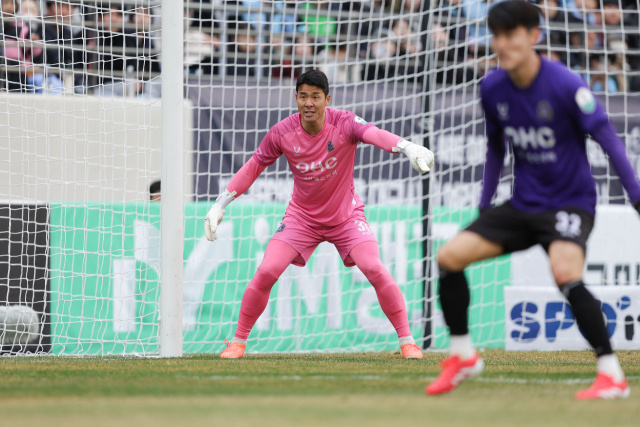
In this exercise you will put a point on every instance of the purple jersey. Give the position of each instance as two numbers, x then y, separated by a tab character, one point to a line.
546	125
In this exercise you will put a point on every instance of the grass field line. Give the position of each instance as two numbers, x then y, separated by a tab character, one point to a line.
500	379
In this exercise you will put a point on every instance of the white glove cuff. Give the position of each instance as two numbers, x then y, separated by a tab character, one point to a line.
225	198
401	146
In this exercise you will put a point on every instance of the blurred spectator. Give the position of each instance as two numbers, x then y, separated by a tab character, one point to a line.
381	50
243	50
30	14
201	50
303	51
411	6
145	61
582	11
476	13
597	78
339	66
628	38
112	60
408	41
15	54
321	26
553	15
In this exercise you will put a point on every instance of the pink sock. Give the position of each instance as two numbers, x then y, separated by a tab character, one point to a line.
277	258
367	257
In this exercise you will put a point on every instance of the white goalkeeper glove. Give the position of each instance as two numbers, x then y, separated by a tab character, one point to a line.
421	158
216	213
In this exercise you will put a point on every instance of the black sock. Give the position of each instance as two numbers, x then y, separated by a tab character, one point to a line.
454	299
588	316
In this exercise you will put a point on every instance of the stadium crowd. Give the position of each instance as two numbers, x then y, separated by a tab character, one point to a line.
112	47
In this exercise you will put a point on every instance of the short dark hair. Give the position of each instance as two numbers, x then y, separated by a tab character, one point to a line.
314	78
510	14
154	188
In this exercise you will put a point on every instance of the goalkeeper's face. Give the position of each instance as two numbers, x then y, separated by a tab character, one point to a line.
311	103
514	47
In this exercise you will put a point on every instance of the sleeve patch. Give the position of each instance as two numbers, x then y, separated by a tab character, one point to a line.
585	100
360	120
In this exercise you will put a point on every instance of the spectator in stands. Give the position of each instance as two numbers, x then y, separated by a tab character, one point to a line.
475	11
65	48
582	11
411	6
319	25
112	61
553	14
339	65
201	49
408	40
597	77
147	60
382	49
30	14
243	59
303	51
13	54
627	39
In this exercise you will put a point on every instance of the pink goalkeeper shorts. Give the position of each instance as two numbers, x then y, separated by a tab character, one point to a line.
305	237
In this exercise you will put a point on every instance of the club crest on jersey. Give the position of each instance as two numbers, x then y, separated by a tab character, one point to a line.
280	228
544	111
330	147
503	110
360	120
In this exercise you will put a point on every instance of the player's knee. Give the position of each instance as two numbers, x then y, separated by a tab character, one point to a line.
563	273
372	270
447	260
264	278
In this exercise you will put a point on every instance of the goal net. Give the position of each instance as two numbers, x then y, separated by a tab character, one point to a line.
80	148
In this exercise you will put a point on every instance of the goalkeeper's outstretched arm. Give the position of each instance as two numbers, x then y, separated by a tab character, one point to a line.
421	158
239	184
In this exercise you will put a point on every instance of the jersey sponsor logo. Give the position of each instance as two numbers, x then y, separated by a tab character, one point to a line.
568	225
544	111
503	110
360	120
259	151
524	138
585	100
330	147
281	227
296	151
330	163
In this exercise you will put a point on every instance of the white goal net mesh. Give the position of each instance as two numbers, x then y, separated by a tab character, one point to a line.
80	156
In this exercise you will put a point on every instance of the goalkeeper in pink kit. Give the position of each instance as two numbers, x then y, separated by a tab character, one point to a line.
320	146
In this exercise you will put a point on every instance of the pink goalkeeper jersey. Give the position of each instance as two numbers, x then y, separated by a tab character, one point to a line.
322	165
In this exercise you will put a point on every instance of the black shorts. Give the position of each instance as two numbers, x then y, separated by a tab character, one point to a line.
516	230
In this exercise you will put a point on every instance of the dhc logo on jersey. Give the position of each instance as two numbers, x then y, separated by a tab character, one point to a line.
542	137
330	163
558	316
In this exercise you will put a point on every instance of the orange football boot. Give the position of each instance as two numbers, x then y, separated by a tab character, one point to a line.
605	387
234	350
411	351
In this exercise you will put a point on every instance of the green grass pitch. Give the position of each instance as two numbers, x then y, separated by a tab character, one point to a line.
517	389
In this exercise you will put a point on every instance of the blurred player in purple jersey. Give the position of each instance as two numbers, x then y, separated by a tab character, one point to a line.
544	112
